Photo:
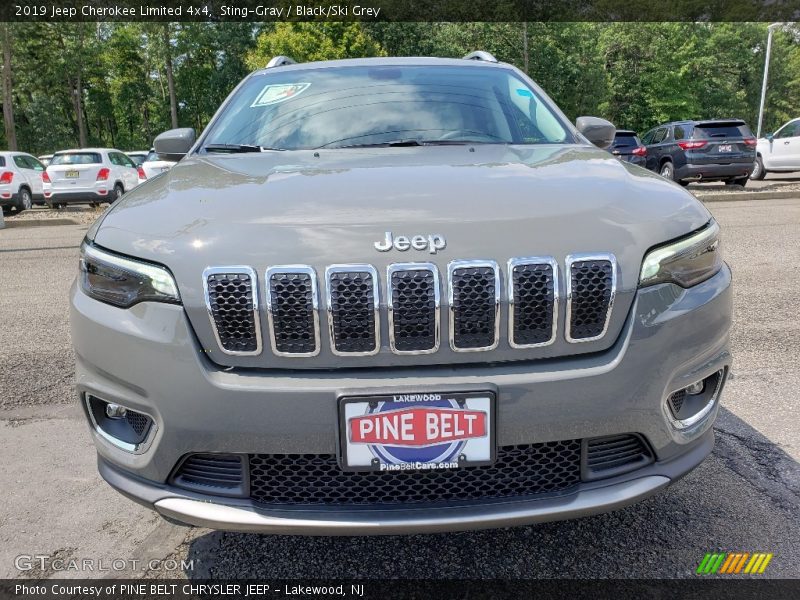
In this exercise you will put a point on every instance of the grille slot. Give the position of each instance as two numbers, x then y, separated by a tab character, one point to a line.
353	309
591	286
474	288
222	474
523	470
413	303
232	305
616	454
138	422
292	309
533	301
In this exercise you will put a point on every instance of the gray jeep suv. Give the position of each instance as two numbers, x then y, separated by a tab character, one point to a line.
398	295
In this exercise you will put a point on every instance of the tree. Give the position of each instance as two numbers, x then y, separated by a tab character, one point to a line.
8	101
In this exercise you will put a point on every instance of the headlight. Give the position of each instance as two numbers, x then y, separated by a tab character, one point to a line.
124	282
685	262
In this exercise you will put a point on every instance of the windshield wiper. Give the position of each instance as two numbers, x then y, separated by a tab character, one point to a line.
233	148
413	142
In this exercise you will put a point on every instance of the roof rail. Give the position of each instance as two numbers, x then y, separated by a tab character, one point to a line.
480	55
280	61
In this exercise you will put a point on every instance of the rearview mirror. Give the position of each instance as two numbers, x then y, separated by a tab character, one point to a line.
175	143
598	131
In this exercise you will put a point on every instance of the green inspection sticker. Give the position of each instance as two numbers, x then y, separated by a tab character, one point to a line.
279	92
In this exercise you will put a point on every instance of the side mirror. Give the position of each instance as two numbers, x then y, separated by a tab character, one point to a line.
598	131
175	143
769	137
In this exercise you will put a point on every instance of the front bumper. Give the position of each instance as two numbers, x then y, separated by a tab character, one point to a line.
147	359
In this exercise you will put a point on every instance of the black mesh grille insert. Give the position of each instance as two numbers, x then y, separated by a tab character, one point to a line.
591	295
676	401
317	479
534	298
292	307
352	308
224	473
615	454
474	307
413	310
138	422
230	298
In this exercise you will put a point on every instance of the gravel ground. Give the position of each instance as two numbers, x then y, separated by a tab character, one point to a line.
745	497
79	214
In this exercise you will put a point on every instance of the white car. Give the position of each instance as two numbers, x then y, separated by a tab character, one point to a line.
92	175
153	165
778	152
45	159
137	156
21	184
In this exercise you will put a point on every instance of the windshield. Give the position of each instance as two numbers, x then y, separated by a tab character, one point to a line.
151	157
723	130
369	105
137	158
76	158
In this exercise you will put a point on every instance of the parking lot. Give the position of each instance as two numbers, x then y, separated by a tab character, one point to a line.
745	497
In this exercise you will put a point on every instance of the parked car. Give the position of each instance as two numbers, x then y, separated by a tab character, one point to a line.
21	184
714	150
778	152
153	165
628	148
137	156
45	159
450	309
92	175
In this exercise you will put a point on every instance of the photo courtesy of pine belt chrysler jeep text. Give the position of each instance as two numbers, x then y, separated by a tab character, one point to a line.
398	295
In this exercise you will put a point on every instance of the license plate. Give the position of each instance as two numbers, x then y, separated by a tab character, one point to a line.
420	431
71	174
725	148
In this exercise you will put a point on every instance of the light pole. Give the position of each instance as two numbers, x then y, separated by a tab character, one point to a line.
770	29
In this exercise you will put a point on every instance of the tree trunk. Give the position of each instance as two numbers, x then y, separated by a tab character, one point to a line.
525	47
78	91
8	101
173	101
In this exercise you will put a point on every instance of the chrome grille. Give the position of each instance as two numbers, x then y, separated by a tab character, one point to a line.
474	305
232	304
474	289
591	285
413	305
532	301
353	309
292	309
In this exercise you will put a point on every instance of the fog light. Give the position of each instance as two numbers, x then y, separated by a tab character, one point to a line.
695	388
690	405
115	411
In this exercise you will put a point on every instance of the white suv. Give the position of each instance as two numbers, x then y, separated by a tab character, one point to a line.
778	152
91	175
20	181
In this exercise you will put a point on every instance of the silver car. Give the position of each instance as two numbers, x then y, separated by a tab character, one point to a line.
398	295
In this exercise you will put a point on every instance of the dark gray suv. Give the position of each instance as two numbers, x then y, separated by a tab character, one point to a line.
395	295
716	150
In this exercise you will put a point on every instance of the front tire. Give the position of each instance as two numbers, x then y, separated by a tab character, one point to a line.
758	170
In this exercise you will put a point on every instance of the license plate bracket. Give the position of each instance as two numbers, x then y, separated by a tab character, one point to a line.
417	431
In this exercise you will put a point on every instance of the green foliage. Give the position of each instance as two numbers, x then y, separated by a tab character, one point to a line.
635	74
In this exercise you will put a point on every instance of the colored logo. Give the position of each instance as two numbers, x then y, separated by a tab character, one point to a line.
728	563
273	94
436	432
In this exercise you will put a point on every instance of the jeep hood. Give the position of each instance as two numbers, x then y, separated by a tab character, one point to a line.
331	206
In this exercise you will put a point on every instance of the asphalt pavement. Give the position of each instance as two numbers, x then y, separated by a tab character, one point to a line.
745	497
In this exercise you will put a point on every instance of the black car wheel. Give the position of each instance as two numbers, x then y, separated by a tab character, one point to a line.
117	194
742	181
758	170
667	171
25	201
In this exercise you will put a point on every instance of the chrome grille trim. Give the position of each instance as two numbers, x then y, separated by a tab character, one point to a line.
452	267
571	259
400	267
256	320
353	268
532	260
293	269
